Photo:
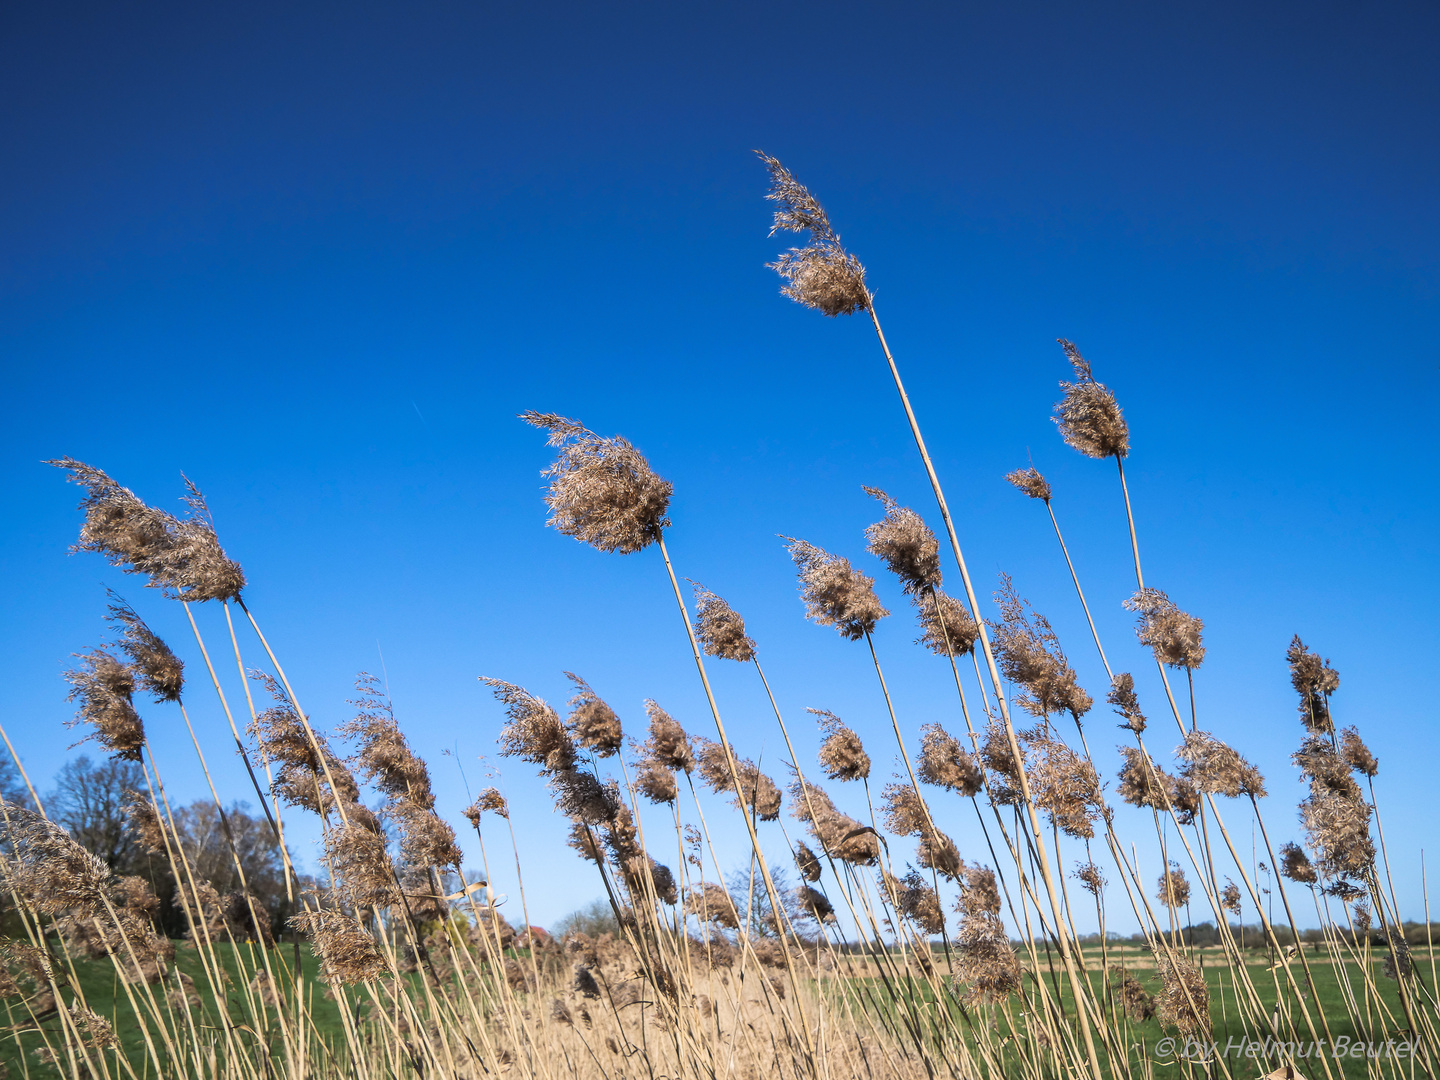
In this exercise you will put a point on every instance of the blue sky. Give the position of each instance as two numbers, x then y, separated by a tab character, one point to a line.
317	256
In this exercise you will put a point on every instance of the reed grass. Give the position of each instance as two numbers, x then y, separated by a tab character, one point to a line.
396	965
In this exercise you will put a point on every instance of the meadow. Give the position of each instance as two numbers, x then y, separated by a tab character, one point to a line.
877	950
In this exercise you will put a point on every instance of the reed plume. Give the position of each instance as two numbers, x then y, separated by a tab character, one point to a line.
103	687
1184	999
348	954
822	274
1029	653
594	723
807	863
602	491
1356	754
842	755
987	963
719	628
490	800
668	744
1030	482
1088	416
945	763
1122	696
1170	633
1217	769
1314	680
840	836
905	544
1063	784
152	662
180	555
1174	889
757	790
835	593
947	629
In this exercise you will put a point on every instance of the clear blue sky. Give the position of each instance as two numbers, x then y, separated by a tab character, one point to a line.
318	256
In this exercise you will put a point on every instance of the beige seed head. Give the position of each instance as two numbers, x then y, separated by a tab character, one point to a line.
1089	417
668	744
154	665
535	732
719	627
103	686
1173	635
835	593
602	491
945	763
1216	769
595	724
1174	890
822	275
947	628
348	954
1296	865
1314	680
1356	754
807	862
1030	482
1184	999
842	755
182	556
1122	696
1030	655
1091	878
905	544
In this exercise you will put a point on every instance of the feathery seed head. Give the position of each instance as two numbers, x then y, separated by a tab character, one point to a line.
1174	889
535	732
945	763
947	629
1184	1000
103	687
1091	878
822	275
905	544
712	904
1143	783
602	491
668	744
1139	1005
1230	897
1088	416
1029	653
595	724
1063	784
835	593
1170	633
918	902
180	555
1217	769
1122	696
154	666
1356	754
842	755
807	862
986	961
815	904
840	835
903	810
757	790
1296	865
938	852
719	627
490	799
1031	483
48	870
1314	680
656	783
348	954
